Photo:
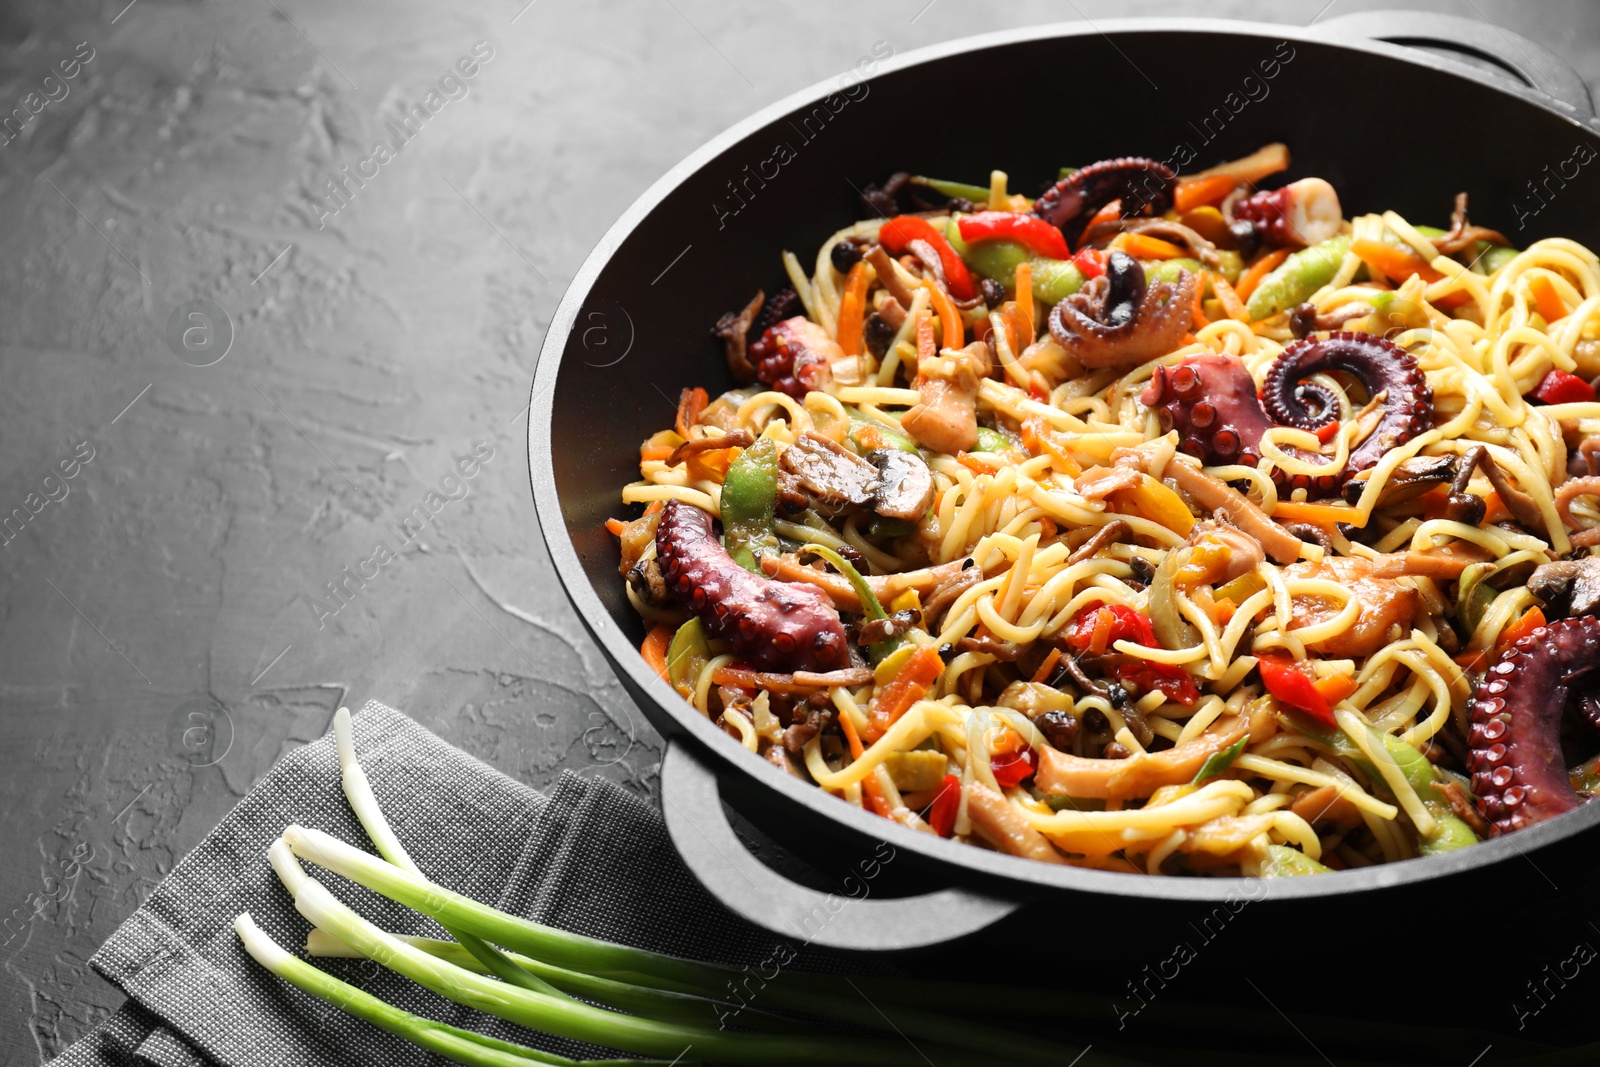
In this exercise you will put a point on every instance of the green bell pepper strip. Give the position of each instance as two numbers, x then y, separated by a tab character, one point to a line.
882	527
990	440
688	653
1285	862
894	438
1053	279
1297	277
749	504
1496	257
871	608
1424	777
978	194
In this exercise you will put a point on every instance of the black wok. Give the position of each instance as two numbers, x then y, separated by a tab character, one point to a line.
1390	126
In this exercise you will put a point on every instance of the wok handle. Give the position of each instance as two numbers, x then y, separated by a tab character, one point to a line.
1531	64
692	803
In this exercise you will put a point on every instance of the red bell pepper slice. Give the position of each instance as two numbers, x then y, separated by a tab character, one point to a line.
1559	387
1173	682
1091	262
1096	629
897	234
1013	767
942	812
1038	235
1293	685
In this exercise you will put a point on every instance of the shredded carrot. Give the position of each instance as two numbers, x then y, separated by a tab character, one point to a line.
650	453
951	326
1394	263
868	437
1197	315
654	649
1100	637
925	345
851	738
1335	687
1531	620
1140	246
1322	515
1230	300
1545	297
904	689
852	309
876	802
976	465
654	506
691	402
1474	659
1025	301
616	526
1110	213
1225	610
1258	270
1190	338
1202	191
1047	666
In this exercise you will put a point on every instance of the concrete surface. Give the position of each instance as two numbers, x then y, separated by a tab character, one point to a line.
166	627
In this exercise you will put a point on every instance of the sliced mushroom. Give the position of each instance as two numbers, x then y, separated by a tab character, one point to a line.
905	484
1411	478
1568	586
734	327
834	476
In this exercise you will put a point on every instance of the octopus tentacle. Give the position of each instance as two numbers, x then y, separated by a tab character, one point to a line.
1518	774
1121	320
1382	366
778	625
1210	399
1143	185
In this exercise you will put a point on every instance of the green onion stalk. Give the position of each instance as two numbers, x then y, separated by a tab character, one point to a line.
451	1042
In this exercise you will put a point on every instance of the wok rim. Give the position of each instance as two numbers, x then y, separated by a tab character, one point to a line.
964	864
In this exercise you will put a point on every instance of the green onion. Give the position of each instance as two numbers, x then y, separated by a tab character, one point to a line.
556	1014
662	1004
1218	762
871	608
978	194
358	793
451	1042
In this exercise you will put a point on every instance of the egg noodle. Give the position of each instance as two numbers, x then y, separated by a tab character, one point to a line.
1182	754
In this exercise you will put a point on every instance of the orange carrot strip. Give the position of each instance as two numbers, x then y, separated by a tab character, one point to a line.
691	402
1230	300
654	649
852	309
851	738
904	689
1047	666
1395	263
1201	191
1025	302
1531	620
1549	303
1323	515
949	319
650	452
1258	270
1110	213
1139	246
1335	687
616	526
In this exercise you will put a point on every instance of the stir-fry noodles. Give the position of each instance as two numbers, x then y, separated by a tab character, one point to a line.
1160	524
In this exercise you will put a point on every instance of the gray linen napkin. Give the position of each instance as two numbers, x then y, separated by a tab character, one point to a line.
589	857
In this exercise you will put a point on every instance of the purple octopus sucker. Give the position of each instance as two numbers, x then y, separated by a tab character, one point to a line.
776	625
1211	400
1519	774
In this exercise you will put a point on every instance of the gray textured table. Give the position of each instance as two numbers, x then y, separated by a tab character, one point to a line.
207	585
